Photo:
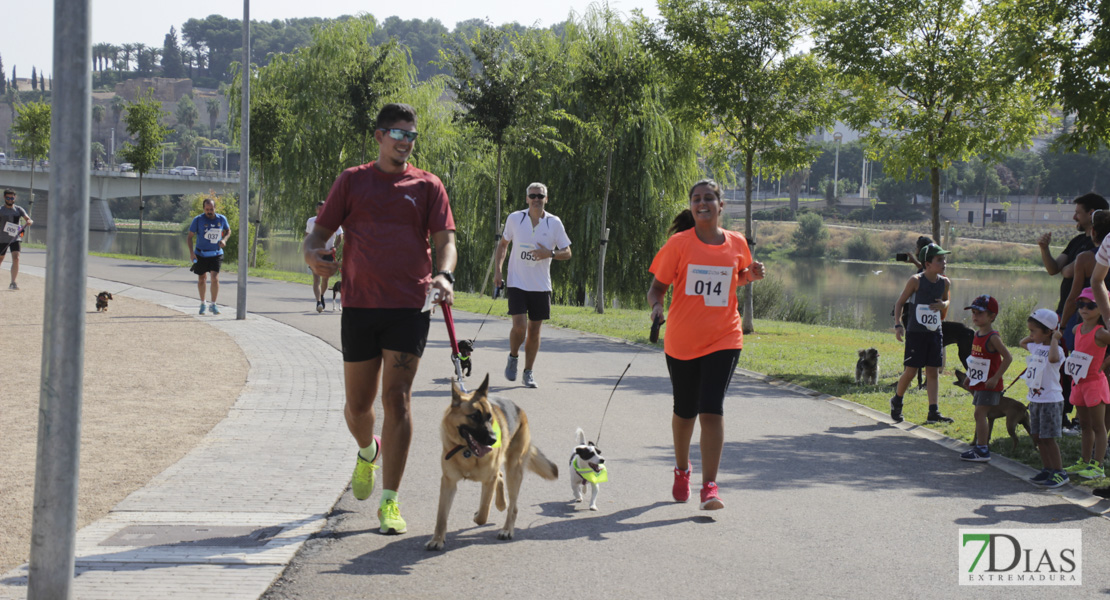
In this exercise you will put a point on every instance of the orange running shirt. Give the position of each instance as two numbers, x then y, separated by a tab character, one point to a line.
703	317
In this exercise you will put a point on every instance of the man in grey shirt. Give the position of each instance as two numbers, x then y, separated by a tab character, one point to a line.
11	232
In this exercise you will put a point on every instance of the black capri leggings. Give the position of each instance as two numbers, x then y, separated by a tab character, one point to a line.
699	384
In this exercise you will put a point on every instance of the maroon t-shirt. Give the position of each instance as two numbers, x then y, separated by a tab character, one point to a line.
386	220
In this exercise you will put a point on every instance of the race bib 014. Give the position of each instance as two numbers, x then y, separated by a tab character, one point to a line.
709	282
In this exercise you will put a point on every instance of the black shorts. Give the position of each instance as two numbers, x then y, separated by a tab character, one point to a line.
924	349
365	332
14	247
699	385
207	264
536	304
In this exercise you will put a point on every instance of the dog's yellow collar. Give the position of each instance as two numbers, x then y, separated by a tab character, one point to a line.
594	477
496	434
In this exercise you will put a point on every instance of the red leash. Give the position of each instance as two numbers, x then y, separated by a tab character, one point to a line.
455	358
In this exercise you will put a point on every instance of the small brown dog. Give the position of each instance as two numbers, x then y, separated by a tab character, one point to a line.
1016	413
867	367
102	301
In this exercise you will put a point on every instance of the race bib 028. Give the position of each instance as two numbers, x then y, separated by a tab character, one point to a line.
709	282
977	370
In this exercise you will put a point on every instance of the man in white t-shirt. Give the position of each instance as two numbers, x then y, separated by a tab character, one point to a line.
320	284
538	237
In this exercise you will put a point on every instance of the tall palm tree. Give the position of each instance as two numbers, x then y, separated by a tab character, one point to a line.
98	111
213	106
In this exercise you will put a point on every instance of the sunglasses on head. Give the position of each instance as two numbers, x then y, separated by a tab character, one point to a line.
536	196
1088	305
400	134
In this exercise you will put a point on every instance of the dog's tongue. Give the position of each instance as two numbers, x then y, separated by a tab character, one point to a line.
481	450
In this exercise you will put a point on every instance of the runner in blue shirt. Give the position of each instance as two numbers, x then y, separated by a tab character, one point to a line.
210	230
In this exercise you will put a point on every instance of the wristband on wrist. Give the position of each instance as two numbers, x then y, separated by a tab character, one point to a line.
897	325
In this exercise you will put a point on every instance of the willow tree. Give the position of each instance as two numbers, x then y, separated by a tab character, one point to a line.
143	119
31	137
741	76
501	82
312	85
615	82
930	82
269	122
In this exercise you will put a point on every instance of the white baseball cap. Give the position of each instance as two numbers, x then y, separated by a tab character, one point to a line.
1046	317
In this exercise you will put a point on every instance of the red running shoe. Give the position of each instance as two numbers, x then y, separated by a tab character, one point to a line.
709	498
681	489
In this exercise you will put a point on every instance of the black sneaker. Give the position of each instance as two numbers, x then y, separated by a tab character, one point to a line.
1102	492
1042	477
935	417
896	409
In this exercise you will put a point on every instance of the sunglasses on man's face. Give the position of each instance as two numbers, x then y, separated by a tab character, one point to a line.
536	196
401	134
1087	305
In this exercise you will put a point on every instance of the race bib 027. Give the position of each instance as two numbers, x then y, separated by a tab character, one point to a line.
709	282
1077	365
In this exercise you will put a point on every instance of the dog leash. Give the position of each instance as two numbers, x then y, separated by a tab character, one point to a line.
654	336
456	358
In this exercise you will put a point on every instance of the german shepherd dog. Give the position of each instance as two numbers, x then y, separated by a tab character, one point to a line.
486	439
1015	411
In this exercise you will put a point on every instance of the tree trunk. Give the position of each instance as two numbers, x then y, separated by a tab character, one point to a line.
749	159
141	207
257	224
599	306
496	227
934	183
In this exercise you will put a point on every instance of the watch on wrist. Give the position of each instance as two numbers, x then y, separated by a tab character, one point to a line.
448	275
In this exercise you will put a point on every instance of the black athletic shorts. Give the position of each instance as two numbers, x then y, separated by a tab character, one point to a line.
207	264
365	332
14	247
699	385
924	349
536	304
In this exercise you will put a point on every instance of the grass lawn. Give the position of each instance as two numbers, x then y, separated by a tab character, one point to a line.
824	359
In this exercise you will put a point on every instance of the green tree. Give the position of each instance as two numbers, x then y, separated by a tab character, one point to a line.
499	81
34	79
269	122
618	84
97	152
118	105
143	120
740	75
31	132
1065	45
187	113
3	82
98	112
171	55
811	236
369	82
930	83
213	107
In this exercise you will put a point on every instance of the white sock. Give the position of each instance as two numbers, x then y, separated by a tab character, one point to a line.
364	452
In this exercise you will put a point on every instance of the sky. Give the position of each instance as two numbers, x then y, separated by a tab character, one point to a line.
26	33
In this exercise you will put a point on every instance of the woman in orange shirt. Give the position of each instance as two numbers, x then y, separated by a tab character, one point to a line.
704	263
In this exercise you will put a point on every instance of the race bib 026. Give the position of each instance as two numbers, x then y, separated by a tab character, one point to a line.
709	282
929	318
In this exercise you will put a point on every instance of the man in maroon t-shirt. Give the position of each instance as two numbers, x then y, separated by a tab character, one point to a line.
388	209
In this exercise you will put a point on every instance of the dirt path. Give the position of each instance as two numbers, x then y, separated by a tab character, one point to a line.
156	381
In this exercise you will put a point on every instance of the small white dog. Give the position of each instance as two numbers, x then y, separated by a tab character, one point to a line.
587	467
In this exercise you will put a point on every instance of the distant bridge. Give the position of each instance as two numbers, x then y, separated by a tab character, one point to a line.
105	184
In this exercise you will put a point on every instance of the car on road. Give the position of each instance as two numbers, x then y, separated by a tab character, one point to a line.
125	167
3	158
184	171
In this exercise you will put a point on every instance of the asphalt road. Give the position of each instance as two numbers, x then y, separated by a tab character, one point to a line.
820	501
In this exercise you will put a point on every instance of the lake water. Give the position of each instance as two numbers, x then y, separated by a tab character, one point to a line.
867	291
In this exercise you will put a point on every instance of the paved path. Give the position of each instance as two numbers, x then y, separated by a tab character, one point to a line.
824	499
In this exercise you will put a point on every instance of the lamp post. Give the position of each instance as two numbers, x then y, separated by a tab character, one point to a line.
836	169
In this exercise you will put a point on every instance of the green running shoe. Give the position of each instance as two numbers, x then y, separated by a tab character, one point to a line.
389	514
1094	471
1080	465
362	482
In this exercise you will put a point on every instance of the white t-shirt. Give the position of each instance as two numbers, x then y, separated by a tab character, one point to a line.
524	273
331	241
1050	390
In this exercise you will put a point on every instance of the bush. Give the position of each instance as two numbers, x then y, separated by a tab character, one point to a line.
811	236
767	296
862	246
1012	318
799	310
